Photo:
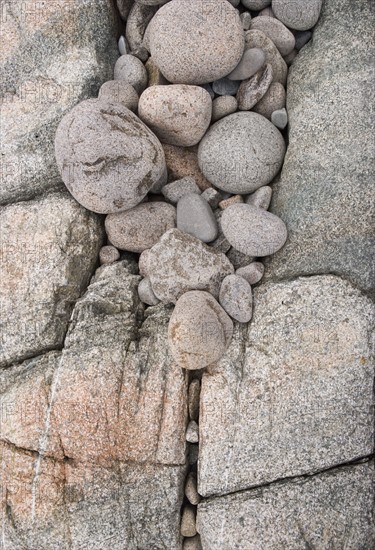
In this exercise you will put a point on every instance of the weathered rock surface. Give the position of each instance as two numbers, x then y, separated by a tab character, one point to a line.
48	251
330	510
49	62
107	157
180	262
325	192
290	389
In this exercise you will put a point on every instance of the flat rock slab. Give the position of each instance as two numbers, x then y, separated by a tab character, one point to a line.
330	510
325	192
289	390
48	251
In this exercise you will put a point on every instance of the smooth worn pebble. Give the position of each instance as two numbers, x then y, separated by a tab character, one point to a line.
261	197
252	90
192	432
193	543
196	42
223	106
177	114
275	30
212	196
176	189
245	20
241	152
298	14
143	263
257	39
123	47
237	259
195	216
252	60
108	255
146	294
280	118
302	38
199	330
236	298
141	227
228	202
191	491
131	70
252	273
266	12
224	86
252	230
188	522
273	99
155	78
107	157
193	399
119	92
179	263
182	162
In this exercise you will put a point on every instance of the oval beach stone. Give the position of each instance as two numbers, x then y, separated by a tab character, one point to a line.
236	298
194	216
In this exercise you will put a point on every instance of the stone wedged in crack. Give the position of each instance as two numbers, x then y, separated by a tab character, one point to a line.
252	90
179	263
140	227
236	298
257	39
199	330
107	157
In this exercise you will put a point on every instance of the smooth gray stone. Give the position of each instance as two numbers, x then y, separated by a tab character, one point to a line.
302	38
261	197
123	47
146	294
280	118
253	231
175	190
252	60
282	37
236	298
298	14
224	86
252	273
195	216
223	106
326	191
131	69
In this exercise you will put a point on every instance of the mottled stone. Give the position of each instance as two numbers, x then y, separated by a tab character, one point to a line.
299	15
273	99
261	197
257	39
146	294
252	90
199	330
236	298
241	152
329	105
107	157
186	36
137	23
177	114
176	189
212	196
252	273
252	230
108	255
193	399
235	199
130	69
141	227
291	388
155	78
275	30
182	162
223	106
195	217
330	510
119	92
245	20
179	263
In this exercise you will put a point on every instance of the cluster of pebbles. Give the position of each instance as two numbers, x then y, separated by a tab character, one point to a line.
179	151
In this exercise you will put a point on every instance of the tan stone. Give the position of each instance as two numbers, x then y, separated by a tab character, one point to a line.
182	162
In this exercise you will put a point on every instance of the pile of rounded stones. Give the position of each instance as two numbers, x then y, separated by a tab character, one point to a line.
179	151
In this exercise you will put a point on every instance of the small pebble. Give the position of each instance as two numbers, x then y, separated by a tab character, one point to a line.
238	259
175	190
194	398
228	202
275	30
208	89
245	20
273	99
143	263
212	196
224	86
191	491
220	243
193	454
192	432
108	255
119	92
251	62
188	522
193	543
195	217
290	57
155	78
252	90
261	197
236	298
131	70
141	53
146	294
298	14
252	273
280	118
302	38
123	46
223	106
267	12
